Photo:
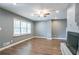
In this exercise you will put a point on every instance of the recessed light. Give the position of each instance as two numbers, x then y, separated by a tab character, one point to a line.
14	3
32	14
57	11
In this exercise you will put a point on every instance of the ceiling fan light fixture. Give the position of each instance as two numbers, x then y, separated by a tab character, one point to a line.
42	13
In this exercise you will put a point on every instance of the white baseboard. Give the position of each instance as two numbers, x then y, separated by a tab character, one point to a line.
60	38
43	37
1	49
49	38
39	37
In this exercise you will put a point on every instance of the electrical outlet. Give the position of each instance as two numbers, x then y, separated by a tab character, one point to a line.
6	43
54	35
11	41
0	45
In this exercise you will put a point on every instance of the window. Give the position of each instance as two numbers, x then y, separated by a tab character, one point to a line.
21	27
16	27
28	27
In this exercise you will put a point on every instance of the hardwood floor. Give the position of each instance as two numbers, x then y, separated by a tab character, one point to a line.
36	46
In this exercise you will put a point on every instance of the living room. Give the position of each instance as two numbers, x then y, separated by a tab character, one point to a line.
39	28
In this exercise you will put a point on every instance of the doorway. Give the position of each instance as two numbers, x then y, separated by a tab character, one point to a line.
59	28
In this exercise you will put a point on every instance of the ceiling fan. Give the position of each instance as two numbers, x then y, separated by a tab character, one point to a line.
42	13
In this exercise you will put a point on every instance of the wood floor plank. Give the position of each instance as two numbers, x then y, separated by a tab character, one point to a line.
36	46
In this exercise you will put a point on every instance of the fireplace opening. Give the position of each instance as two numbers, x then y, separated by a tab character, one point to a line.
72	42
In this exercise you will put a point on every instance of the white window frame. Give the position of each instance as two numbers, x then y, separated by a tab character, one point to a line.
27	26
14	29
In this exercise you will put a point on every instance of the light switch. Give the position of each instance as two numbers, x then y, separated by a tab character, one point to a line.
0	28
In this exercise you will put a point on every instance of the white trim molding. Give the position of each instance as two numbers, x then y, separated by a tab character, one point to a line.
43	37
60	38
39	37
3	48
64	49
49	38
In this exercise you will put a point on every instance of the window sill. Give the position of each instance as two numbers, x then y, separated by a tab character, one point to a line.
14	36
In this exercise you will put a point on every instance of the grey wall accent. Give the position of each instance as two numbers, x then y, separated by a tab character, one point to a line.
71	25
59	28
73	18
50	29
6	23
43	29
77	15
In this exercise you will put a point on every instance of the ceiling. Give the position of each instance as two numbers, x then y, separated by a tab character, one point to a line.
27	9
